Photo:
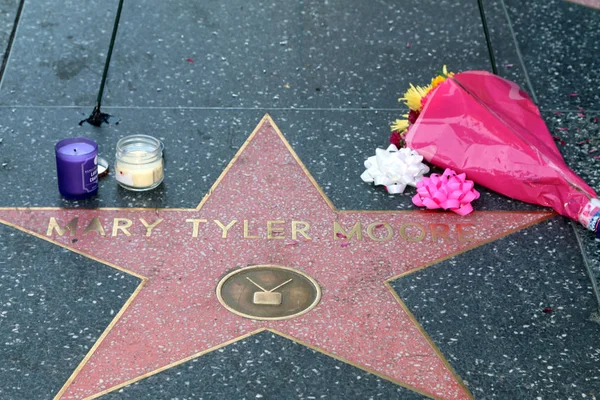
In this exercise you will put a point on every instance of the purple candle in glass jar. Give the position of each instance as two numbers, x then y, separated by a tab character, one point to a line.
77	167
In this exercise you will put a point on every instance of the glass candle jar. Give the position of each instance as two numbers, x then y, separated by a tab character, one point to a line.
77	167
139	162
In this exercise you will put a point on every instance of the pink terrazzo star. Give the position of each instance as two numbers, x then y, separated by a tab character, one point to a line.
589	3
175	314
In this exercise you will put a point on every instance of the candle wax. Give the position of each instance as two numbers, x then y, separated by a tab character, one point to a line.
129	172
72	149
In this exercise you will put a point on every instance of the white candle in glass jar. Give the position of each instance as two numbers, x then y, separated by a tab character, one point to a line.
139	164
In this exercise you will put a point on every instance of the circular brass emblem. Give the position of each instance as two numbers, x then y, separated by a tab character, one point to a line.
268	292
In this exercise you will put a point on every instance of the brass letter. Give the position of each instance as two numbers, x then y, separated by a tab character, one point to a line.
94	226
275	229
356	230
302	231
371	227
224	228
464	236
196	224
418	238
123	227
71	227
246	235
150	227
437	232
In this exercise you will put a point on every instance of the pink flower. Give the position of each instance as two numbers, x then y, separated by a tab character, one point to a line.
448	191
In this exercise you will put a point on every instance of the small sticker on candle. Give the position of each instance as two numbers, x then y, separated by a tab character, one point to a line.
125	178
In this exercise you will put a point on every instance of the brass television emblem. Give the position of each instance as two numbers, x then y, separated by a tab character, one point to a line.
268	292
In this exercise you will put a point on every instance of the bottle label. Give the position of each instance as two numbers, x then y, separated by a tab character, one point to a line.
590	216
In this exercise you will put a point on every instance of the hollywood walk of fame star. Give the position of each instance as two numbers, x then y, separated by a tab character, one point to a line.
281	218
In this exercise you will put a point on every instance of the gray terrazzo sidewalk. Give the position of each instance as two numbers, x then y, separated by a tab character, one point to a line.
516	316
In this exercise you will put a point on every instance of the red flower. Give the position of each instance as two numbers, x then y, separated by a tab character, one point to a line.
397	139
412	116
424	99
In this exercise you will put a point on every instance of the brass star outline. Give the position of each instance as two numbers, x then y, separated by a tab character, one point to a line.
265	120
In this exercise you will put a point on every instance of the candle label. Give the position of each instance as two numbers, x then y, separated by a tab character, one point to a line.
89	170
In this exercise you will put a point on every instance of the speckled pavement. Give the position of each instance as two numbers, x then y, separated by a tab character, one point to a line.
8	13
267	112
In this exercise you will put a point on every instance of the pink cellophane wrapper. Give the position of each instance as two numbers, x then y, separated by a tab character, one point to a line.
488	128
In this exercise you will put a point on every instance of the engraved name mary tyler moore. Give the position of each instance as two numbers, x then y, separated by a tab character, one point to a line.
379	231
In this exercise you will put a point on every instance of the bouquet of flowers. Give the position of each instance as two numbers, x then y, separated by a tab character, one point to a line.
486	127
415	99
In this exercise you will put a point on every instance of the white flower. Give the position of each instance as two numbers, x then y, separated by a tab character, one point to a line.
395	168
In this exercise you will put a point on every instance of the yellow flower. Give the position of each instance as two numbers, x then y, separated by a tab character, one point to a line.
437	80
446	73
441	78
413	96
400	125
